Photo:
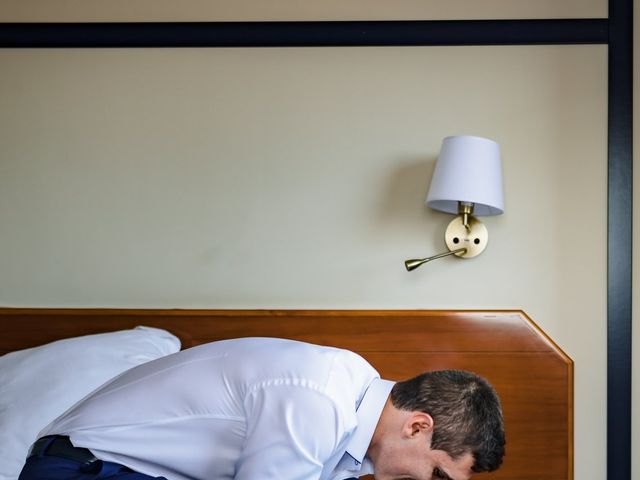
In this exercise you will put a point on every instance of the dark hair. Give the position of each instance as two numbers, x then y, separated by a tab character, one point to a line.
466	412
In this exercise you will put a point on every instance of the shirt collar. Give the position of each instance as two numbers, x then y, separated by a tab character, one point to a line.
368	413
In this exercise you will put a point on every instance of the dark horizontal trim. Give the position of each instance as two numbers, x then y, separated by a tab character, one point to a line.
304	34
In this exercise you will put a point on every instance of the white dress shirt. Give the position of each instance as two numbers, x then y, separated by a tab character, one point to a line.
245	409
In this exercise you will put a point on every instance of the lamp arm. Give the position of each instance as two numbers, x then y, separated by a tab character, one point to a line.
416	262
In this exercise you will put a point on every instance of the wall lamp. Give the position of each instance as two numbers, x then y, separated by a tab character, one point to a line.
467	181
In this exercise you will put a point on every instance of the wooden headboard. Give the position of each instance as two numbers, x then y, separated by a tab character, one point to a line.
532	375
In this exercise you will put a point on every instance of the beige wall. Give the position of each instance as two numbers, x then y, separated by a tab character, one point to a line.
295	178
252	10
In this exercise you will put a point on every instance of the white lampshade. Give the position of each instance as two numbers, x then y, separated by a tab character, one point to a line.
468	170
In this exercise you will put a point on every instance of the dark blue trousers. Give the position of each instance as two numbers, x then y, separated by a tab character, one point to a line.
48	467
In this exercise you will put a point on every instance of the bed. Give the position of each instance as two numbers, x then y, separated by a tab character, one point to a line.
532	375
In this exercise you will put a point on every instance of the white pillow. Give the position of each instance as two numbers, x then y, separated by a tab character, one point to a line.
39	384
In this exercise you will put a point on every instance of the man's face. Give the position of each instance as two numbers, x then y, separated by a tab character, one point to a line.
419	462
401	449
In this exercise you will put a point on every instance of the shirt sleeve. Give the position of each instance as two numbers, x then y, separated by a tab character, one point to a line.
291	431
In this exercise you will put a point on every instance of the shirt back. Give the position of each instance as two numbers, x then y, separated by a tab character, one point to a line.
244	409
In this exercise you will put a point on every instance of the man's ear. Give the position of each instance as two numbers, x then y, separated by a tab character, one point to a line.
418	423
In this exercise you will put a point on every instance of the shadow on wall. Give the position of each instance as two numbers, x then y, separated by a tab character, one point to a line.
401	203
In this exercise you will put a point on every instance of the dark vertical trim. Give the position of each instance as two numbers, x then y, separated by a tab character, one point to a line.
619	241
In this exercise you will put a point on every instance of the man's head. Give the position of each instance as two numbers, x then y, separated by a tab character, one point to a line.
444	424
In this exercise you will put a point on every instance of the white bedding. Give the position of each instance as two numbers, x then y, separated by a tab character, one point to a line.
38	384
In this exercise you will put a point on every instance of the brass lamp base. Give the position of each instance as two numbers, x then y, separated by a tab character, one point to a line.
464	241
473	238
